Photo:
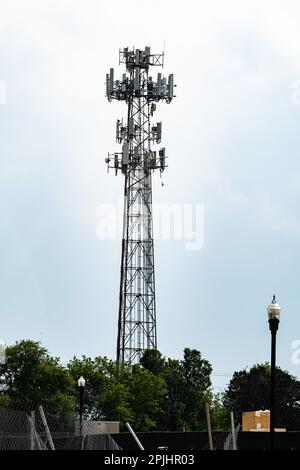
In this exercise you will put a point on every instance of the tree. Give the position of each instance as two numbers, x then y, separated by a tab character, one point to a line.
106	392
188	387
31	377
120	392
198	389
114	402
220	415
249	390
156	394
153	361
174	418
147	394
196	370
95	382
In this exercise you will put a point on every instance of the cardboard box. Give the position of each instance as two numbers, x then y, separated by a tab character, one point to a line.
256	420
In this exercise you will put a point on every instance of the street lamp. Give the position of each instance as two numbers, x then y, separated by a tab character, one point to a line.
81	385
273	311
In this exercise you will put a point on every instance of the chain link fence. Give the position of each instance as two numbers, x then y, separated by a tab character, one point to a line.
28	427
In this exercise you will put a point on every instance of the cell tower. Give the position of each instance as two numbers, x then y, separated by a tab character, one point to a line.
137	161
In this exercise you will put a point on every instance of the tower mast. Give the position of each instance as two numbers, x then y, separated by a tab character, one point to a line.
137	161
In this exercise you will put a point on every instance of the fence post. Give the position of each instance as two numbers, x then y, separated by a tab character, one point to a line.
134	436
48	433
34	438
32	425
233	431
210	440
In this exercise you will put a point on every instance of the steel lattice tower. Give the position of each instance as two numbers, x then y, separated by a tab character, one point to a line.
137	161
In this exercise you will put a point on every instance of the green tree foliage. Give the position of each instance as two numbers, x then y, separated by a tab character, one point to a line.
188	387
114	402
106	393
120	392
153	361
31	376
147	394
249	390
219	414
94	383
157	394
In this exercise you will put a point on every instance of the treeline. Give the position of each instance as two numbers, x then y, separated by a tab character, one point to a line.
157	394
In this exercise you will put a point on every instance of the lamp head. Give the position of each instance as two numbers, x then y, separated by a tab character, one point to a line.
81	382
273	310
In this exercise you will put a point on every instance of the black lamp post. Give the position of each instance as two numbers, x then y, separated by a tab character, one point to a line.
273	311
81	385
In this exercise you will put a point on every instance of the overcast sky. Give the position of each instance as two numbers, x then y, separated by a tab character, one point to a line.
232	138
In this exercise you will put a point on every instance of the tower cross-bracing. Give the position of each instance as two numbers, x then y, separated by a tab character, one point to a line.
137	160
